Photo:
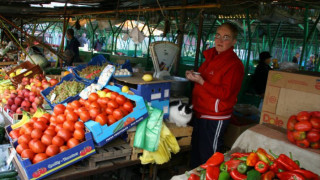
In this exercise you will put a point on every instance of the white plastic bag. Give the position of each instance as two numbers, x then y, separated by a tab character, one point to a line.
136	35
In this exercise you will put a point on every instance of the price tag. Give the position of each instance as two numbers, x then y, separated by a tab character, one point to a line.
53	96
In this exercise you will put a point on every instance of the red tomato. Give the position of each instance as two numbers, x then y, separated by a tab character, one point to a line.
57	141
117	114
78	134
61	118
303	143
68	111
46	139
85	116
81	110
65	134
72	142
128	106
125	112
109	110
87	104
39	157
21	147
94	104
59	109
47	116
313	136
26	129
36	134
38	147
72	117
52	150
53	127
121	99
303	126
68	125
76	104
102	119
14	134
113	104
30	144
114	95
81	101
40	125
79	125
25	138
43	119
106	90
63	148
315	114
103	102
27	153
315	122
111	120
50	132
53	119
93	97
33	119
58	127
94	112
68	107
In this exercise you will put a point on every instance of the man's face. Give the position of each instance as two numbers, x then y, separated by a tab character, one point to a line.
69	36
224	39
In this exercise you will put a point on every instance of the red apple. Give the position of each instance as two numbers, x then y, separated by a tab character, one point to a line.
38	100
32	94
45	84
25	108
34	88
34	106
25	103
26	93
13	108
20	93
53	82
32	98
10	101
18	100
32	110
19	111
38	83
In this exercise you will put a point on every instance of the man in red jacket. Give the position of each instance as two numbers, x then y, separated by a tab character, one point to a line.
214	94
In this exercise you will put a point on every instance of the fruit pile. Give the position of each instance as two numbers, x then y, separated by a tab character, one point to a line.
64	90
91	72
107	107
255	165
6	88
49	135
303	129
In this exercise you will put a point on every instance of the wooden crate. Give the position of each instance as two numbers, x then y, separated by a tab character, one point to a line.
183	134
116	151
136	152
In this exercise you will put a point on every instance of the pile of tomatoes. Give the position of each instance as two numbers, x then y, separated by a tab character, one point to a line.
103	110
303	129
48	135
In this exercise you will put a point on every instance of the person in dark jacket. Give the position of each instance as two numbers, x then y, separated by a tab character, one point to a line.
260	75
73	46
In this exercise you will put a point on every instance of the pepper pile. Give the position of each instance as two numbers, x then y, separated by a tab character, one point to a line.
252	166
303	129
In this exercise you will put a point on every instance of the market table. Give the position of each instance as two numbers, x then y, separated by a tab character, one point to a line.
269	137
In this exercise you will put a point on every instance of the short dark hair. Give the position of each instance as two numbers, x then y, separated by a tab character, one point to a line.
233	28
70	32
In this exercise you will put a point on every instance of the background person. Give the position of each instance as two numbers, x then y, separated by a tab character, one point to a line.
72	45
260	75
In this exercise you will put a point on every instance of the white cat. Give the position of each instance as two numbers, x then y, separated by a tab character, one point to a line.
180	113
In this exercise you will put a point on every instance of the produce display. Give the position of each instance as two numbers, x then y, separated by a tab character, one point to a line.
122	72
255	165
65	90
6	88
48	135
91	72
303	129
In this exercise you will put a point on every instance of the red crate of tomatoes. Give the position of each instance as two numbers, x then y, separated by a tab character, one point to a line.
303	129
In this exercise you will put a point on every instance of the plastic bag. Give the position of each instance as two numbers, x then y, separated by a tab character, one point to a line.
136	35
3	158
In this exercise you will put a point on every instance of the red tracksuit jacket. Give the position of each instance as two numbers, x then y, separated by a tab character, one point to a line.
223	74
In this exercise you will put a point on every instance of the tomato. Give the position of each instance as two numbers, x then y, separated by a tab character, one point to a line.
80	110
40	125
303	143
113	104
315	114
117	114
52	150
79	134
94	112
44	120
106	90
57	140
39	157
114	95
128	106
84	116
68	111
303	116
14	134
79	125
109	110
68	125
63	148
58	127
33	119
81	100
46	139
47	116
315	145
25	138
102	119
93	97
30	144
121	99
103	102
26	129
299	135
59	109
111	120
76	104
72	117
68	107
303	126
87	104
72	142
53	119
290	136
61	118
38	147
27	153
21	147
125	112
36	134
313	136
65	134
315	122
50	132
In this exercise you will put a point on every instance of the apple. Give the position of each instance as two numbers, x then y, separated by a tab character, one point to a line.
20	93
34	88
38	83
32	110
18	100
13	95
32	94
24	108
26	79
26	93
10	101
32	98
34	106
19	110
45	84
25	103
6	107
38	100
53	82
13	108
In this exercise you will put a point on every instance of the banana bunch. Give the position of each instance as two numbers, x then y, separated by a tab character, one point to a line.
39	113
25	118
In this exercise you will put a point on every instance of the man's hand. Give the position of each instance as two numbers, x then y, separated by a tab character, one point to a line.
194	77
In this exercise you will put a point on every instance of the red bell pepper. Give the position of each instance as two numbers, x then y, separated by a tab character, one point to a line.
237	176
232	164
287	163
275	167
261	167
239	155
212	173
268	175
252	159
291	122
289	175
215	160
307	174
194	177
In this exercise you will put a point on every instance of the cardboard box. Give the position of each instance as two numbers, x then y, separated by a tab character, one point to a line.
288	94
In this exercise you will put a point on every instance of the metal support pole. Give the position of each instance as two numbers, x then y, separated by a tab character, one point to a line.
205	40
275	37
305	35
196	61
249	48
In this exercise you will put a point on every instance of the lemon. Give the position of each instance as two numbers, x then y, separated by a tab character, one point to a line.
147	77
108	95
12	74
125	89
12	87
18	71
102	94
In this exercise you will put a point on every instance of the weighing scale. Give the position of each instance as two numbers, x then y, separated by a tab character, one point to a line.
163	54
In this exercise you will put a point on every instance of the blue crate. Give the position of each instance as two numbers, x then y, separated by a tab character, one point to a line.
68	77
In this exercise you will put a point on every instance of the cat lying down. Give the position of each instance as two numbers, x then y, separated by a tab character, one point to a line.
180	113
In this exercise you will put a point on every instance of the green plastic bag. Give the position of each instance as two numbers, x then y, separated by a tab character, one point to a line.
148	131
